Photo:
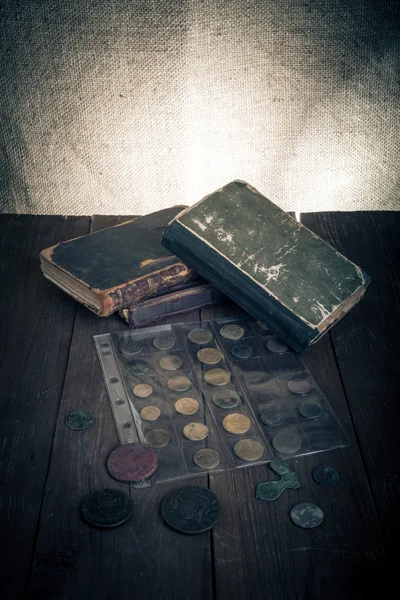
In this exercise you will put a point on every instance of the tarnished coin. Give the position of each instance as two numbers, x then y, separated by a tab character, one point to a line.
133	368
132	462
191	509
186	406
231	332
217	376
276	346
179	384
311	410
107	508
326	476
287	442
307	515
248	450
129	346
143	390
150	413
242	351
226	399
236	423
209	356
200	336
272	417
164	341
196	431
79	420
206	458
170	363
157	438
299	385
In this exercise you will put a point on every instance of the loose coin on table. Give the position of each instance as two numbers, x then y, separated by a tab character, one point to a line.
186	406
287	442
299	385
157	438
209	356
206	458
132	462
217	376
164	341
200	336
236	423
150	413
129	346
195	431
107	508
191	509
326	476
79	420
276	346
242	351
179	383
306	515
170	363
311	410
248	450
133	368
272	417
143	390
231	332
226	399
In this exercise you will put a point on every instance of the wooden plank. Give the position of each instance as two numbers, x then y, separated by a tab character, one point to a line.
366	344
35	331
143	558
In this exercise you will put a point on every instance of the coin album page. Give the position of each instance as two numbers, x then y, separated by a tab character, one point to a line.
214	395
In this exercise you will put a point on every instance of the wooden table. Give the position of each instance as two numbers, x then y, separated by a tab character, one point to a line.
49	368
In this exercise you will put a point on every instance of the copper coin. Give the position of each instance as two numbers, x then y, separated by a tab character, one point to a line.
276	346
287	442
209	356
226	399
217	376
231	332
236	423
170	363
179	384
164	341
206	458
132	462
299	385
150	413
157	438
196	431
143	390
186	406
200	336
248	450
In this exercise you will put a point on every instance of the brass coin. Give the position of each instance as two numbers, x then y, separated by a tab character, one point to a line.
248	449
143	390
209	356
150	413
157	438
164	341
217	377
207	458
186	406
236	423
195	431
170	363
179	383
231	332
200	336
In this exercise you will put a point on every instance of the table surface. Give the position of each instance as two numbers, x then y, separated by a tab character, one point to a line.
49	367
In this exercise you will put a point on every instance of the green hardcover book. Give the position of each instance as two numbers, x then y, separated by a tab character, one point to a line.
268	263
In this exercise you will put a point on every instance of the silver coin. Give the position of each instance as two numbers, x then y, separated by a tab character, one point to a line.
200	336
287	442
231	332
311	410
170	363
299	385
164	341
276	346
226	399
179	383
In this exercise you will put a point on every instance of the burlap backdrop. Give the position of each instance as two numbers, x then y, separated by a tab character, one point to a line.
127	106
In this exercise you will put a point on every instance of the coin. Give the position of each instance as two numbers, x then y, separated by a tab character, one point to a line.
226	399
242	351
79	420
129	346
164	341
209	356
186	406
327	476
217	376
157	438
150	413
287	442
195	431
200	336
306	515
206	458
132	462
133	368
143	390
107	508
311	410
299	385
276	346
231	332
191	509
170	363
179	383
272	417
248	450
236	423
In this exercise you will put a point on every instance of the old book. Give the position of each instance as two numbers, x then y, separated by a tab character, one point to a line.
267	262
118	266
189	297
